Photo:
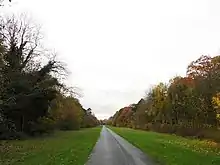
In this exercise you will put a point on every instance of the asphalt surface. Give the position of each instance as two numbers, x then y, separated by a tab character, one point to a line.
111	149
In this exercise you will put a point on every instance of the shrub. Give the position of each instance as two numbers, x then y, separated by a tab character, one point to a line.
68	124
43	125
187	130
7	129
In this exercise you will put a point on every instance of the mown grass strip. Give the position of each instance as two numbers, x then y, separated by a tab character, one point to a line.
70	147
172	150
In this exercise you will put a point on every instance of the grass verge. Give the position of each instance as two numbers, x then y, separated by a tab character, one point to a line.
172	150
69	147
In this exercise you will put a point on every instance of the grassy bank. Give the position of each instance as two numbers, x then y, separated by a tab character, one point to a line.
172	150
71	147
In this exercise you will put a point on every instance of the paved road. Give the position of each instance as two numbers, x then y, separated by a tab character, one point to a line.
111	149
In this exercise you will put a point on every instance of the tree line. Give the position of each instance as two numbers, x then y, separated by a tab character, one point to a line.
188	106
33	97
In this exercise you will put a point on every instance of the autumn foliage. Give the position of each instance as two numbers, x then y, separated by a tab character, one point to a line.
187	106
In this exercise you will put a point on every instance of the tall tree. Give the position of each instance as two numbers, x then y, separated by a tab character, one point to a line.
28	85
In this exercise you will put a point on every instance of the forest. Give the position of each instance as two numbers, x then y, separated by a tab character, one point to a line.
186	106
34	99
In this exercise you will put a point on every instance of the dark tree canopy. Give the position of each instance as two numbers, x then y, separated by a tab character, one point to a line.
32	95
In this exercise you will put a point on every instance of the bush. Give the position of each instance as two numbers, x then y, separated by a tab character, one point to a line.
186	130
211	134
7	129
68	124
43	125
167	128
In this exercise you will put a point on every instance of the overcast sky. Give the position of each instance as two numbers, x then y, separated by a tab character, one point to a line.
117	49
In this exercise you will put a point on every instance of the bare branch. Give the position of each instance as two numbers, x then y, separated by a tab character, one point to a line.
22	35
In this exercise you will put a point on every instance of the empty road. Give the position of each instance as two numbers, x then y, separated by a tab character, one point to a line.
111	149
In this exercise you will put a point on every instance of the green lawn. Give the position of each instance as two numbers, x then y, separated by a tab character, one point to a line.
63	148
172	150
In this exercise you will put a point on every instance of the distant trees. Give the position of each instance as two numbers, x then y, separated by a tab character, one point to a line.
69	114
186	105
32	97
89	119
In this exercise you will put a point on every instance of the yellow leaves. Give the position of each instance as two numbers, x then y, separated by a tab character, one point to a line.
216	101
